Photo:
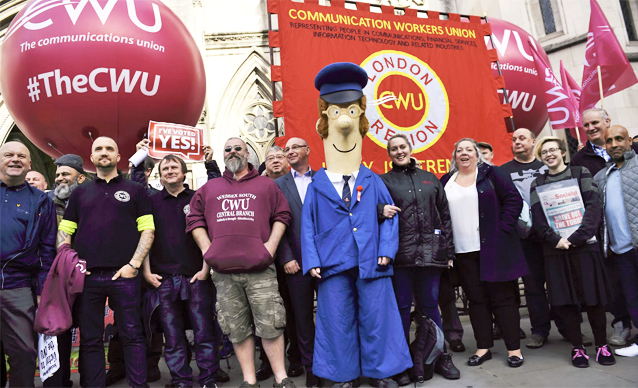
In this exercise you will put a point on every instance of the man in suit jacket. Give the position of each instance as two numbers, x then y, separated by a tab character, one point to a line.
301	287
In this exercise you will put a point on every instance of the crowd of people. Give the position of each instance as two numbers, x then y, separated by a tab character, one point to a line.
238	257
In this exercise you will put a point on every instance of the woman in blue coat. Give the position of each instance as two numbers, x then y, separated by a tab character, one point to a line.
485	206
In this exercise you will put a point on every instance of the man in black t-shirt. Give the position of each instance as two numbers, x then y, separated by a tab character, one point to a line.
112	220
523	169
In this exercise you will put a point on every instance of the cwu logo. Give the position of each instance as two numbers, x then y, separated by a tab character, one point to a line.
405	96
187	209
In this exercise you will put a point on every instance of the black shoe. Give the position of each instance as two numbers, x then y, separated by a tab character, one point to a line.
221	376
264	372
210	384
445	367
402	378
496	332
476	360
604	356
428	370
153	374
579	358
285	383
312	380
171	384
521	334
457	346
382	383
514	361
113	376
295	370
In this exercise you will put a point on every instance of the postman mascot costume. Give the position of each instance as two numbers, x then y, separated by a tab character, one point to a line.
359	328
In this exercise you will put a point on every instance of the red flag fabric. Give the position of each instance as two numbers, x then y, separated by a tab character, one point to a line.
428	79
559	106
604	50
573	92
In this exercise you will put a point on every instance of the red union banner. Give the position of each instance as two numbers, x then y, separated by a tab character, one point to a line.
75	70
431	78
175	139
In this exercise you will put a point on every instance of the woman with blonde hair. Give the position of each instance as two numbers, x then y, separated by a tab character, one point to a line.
484	207
574	269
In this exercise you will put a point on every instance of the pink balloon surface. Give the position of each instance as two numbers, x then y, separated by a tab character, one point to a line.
519	71
73	71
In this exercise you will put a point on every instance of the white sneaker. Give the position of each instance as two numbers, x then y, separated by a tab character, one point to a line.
619	338
630	351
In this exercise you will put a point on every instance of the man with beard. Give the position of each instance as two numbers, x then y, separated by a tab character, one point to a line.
68	176
237	222
618	190
27	250
111	218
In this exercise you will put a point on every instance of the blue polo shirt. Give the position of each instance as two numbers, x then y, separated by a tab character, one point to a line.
109	218
15	212
619	235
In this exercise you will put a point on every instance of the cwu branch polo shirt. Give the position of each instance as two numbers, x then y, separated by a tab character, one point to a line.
107	219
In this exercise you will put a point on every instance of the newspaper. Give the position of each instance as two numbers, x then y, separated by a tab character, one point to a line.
563	206
49	357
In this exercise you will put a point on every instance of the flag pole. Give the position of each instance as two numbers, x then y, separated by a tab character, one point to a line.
578	136
600	86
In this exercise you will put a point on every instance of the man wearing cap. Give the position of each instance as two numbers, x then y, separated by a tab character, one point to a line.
69	174
359	330
27	250
487	151
111	218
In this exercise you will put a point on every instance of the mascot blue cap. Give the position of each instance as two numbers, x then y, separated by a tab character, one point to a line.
341	82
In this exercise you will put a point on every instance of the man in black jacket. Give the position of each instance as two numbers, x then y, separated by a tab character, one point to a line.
594	157
301	287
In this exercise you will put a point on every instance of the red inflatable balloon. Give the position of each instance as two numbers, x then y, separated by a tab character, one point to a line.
519	71
73	71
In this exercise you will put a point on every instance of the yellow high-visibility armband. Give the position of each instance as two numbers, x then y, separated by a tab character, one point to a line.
68	226
145	223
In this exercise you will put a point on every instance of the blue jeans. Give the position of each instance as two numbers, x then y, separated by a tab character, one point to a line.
421	283
628	267
125	301
178	297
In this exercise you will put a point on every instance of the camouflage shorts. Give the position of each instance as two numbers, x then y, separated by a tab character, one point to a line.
239	294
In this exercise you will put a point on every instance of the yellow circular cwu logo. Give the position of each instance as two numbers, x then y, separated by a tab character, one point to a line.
404	96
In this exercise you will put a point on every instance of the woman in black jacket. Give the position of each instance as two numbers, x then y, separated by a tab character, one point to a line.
425	238
574	267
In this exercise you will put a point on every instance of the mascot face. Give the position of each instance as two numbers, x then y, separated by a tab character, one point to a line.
343	127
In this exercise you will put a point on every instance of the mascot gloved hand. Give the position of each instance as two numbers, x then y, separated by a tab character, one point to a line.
359	328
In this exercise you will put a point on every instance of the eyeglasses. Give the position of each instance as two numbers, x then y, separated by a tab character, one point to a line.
334	111
237	148
549	151
273	157
294	148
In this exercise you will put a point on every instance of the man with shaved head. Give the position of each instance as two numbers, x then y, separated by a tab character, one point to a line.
37	180
111	218
301	287
594	157
27	250
618	190
523	169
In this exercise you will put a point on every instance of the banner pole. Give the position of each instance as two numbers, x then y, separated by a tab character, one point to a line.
272	83
506	97
578	136
600	86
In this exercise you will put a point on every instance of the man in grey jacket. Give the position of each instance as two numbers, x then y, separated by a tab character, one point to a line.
618	190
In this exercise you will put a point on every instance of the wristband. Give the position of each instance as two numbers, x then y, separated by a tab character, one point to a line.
134	267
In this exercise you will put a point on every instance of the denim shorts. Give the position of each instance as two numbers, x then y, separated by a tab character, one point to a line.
240	294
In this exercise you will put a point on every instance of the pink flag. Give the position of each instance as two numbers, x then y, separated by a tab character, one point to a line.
573	92
559	105
603	50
